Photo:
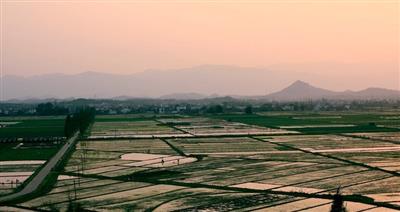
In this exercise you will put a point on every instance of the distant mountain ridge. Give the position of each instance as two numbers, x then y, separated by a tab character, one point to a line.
208	81
300	90
205	80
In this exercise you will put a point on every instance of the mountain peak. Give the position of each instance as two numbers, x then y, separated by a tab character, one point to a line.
300	90
299	83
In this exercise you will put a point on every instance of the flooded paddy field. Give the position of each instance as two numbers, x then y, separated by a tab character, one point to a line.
19	162
124	128
201	126
14	173
222	145
217	170
332	142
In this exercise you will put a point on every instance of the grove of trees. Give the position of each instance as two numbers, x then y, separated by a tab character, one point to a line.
79	121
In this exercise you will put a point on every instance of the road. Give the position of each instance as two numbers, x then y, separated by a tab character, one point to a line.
38	179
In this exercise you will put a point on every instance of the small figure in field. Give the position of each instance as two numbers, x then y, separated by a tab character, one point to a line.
178	161
162	161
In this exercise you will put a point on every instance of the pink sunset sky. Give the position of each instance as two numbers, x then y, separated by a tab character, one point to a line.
125	37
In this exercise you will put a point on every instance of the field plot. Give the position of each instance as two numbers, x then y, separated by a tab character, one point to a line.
14	173
316	205
389	136
19	161
85	190
122	157
388	160
201	126
126	128
334	143
31	127
319	123
326	118
112	195
126	146
241	145
25	145
27	151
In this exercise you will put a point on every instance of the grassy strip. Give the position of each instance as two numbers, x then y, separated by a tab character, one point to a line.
176	149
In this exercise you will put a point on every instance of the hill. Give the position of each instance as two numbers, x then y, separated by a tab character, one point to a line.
300	90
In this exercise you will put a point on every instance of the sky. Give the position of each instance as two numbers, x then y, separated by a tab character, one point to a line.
125	37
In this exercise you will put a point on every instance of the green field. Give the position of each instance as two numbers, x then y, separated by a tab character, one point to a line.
365	122
33	127
8	151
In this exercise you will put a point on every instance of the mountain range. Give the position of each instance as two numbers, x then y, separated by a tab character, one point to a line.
192	83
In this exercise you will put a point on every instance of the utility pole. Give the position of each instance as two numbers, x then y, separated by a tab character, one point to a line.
74	191
78	173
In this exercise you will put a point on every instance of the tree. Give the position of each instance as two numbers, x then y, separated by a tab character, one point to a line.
248	109
68	131
219	109
215	109
79	121
46	109
338	203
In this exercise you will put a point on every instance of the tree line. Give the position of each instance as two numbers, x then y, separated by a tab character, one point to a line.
79	121
50	109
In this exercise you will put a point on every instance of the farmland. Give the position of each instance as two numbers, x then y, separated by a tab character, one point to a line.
260	162
31	127
19	162
322	123
26	143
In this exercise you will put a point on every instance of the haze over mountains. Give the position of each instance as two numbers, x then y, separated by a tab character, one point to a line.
190	83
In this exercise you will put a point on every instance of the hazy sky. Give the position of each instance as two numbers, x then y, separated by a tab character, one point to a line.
131	36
